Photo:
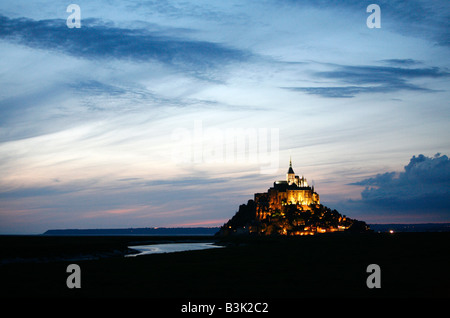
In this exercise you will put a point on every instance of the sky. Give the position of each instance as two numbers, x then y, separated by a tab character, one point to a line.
173	113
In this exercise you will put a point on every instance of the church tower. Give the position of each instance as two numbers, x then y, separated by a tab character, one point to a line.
290	176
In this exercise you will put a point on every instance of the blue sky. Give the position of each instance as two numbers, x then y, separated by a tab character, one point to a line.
90	118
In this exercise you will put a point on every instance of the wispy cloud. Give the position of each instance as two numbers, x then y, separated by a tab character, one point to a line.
96	40
94	87
357	79
401	62
32	192
380	74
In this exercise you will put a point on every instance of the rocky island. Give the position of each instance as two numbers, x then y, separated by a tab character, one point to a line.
290	207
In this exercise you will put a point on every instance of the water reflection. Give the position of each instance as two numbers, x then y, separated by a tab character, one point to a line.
170	248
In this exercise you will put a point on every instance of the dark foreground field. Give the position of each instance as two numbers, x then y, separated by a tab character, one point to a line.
412	265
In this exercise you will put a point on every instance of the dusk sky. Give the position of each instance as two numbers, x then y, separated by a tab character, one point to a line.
124	122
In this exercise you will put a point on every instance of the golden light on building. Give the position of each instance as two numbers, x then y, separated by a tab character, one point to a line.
290	207
292	191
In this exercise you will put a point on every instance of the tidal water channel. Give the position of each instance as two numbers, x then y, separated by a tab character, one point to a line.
169	248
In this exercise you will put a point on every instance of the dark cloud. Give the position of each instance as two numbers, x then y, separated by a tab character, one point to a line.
371	79
380	74
423	186
95	40
401	62
429	20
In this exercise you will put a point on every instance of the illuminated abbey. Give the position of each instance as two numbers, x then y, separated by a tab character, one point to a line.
290	207
292	191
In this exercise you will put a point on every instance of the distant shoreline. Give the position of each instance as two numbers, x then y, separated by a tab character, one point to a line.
157	231
211	231
405	227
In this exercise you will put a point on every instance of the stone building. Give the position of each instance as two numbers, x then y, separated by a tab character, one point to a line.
292	191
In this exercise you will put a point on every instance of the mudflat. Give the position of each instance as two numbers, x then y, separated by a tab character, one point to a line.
411	265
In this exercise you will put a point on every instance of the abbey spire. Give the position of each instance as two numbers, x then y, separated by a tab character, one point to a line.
290	176
292	179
